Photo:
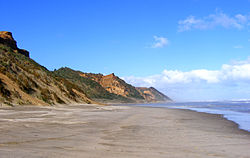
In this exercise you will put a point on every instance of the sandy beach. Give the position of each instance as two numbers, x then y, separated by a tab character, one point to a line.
92	131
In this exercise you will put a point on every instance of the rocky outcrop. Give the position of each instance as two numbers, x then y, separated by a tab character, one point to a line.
24	52
7	39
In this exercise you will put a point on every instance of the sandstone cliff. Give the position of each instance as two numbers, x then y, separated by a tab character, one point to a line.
115	85
91	86
153	95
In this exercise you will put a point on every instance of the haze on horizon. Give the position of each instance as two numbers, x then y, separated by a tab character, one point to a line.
188	49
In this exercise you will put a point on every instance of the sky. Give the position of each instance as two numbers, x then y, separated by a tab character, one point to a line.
191	50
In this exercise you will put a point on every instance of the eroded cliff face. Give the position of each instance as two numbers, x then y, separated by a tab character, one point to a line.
112	84
7	39
115	85
153	95
90	84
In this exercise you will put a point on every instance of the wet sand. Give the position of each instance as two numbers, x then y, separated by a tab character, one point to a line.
91	131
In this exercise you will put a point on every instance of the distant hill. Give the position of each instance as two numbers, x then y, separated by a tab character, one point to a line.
115	85
90	86
23	81
153	95
111	87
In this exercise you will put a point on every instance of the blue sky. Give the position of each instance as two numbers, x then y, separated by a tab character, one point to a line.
141	39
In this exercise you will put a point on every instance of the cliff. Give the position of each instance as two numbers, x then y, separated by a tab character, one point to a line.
90	85
23	81
114	84
153	95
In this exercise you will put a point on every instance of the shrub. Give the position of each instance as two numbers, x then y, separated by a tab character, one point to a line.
46	95
3	91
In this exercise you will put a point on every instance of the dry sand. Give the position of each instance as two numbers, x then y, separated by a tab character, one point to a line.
118	132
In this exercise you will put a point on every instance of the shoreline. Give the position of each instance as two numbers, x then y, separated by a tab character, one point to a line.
219	116
222	116
119	132
190	109
216	115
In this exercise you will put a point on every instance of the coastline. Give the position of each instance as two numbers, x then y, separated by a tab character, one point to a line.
118	131
222	116
240	118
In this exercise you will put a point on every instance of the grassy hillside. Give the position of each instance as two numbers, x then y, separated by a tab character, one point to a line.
91	88
23	81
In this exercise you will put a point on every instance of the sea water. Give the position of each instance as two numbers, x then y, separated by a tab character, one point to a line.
236	111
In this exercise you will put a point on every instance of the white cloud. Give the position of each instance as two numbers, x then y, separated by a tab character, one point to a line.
241	18
231	81
160	42
238	47
218	19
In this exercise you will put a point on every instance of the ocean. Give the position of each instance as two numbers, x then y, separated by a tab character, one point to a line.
236	111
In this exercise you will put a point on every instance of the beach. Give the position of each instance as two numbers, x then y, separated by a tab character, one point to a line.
93	131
